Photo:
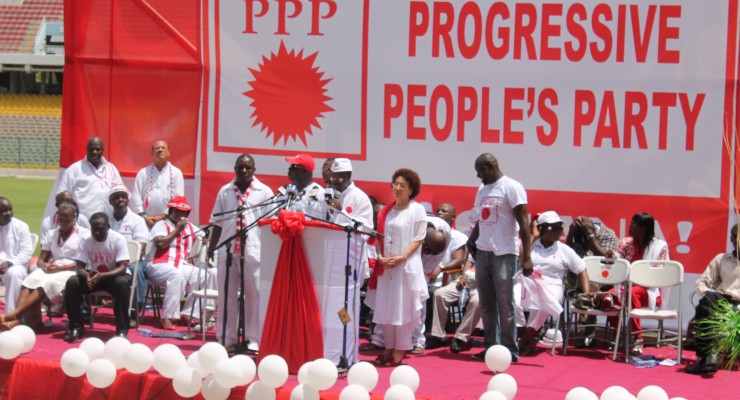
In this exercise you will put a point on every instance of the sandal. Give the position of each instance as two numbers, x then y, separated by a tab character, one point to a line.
391	362
637	347
8	325
380	360
168	325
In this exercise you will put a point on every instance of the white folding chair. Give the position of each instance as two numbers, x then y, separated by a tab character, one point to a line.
663	274
134	254
605	272
199	253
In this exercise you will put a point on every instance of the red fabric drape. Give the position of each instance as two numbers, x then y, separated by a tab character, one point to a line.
293	320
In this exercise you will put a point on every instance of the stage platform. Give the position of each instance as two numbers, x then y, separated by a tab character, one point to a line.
37	374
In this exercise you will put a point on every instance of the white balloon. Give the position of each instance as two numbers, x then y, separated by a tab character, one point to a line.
322	374
614	393
138	359
228	373
74	362
210	354
678	398
304	392
11	345
498	358
581	393
101	373
505	384
192	362
168	359
399	392
492	395
303	372
354	392
211	390
405	375
115	349
258	390
186	382
273	371
28	336
363	374
249	368
94	348
652	392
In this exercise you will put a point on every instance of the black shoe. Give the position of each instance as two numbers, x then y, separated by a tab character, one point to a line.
704	365
456	346
585	343
479	356
435	342
74	335
123	334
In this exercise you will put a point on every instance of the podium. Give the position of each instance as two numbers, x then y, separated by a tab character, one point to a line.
325	247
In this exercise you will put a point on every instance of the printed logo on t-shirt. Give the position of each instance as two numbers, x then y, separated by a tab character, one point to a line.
489	209
102	268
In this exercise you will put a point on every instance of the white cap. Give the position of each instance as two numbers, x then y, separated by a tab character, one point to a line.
119	188
549	217
341	165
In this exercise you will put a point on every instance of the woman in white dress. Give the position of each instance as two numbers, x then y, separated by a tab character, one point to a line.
401	284
55	265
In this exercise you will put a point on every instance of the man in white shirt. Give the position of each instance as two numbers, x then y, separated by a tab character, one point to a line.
311	194
156	184
173	239
50	222
91	179
132	227
244	191
500	215
102	263
15	253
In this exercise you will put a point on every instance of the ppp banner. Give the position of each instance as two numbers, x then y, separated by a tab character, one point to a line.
602	109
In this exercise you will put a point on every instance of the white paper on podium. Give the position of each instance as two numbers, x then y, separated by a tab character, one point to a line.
326	250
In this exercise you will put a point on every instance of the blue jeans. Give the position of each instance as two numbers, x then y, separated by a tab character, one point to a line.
495	277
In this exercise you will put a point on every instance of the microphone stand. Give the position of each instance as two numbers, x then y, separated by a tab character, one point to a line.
242	236
348	271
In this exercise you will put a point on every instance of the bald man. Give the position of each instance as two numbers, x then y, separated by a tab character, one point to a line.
156	184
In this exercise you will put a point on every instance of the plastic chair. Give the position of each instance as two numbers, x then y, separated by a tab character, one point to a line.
663	274
199	252
134	254
605	272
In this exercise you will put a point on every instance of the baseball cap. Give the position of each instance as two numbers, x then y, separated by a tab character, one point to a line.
304	160
180	203
548	217
341	165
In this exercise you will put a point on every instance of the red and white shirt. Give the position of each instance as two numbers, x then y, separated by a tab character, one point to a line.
179	249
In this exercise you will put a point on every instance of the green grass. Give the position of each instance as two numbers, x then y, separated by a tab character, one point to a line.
28	196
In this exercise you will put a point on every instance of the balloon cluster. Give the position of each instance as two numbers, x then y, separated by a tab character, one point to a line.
17	341
651	392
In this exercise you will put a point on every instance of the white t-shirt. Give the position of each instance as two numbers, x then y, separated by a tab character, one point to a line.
64	250
554	261
357	205
494	212
226	200
90	186
180	247
428	260
15	242
50	222
103	256
131	226
153	189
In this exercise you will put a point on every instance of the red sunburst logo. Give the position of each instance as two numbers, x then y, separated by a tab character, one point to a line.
288	95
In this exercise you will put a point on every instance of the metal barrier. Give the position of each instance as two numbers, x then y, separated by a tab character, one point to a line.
29	152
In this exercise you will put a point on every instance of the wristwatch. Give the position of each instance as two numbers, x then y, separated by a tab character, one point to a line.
591	236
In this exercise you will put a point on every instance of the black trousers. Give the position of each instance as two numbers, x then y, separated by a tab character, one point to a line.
704	338
119	287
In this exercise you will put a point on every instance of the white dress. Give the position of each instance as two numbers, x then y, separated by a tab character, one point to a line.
401	290
62	253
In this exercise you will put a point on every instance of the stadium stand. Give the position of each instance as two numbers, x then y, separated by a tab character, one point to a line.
30	127
19	22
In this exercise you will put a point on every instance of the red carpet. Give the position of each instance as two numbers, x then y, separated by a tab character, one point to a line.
36	375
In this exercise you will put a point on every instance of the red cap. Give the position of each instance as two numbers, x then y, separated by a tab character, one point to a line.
304	160
180	203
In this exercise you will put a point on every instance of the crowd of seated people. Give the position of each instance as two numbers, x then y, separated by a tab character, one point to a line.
420	267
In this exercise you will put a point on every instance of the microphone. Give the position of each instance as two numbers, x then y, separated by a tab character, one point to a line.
330	193
292	193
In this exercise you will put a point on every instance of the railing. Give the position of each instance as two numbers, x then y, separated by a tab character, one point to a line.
29	152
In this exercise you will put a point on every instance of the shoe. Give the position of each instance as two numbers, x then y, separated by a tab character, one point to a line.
74	335
479	356
456	346
380	360
584	343
435	342
417	350
168	325
370	346
123	334
209	327
637	347
185	320
704	365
